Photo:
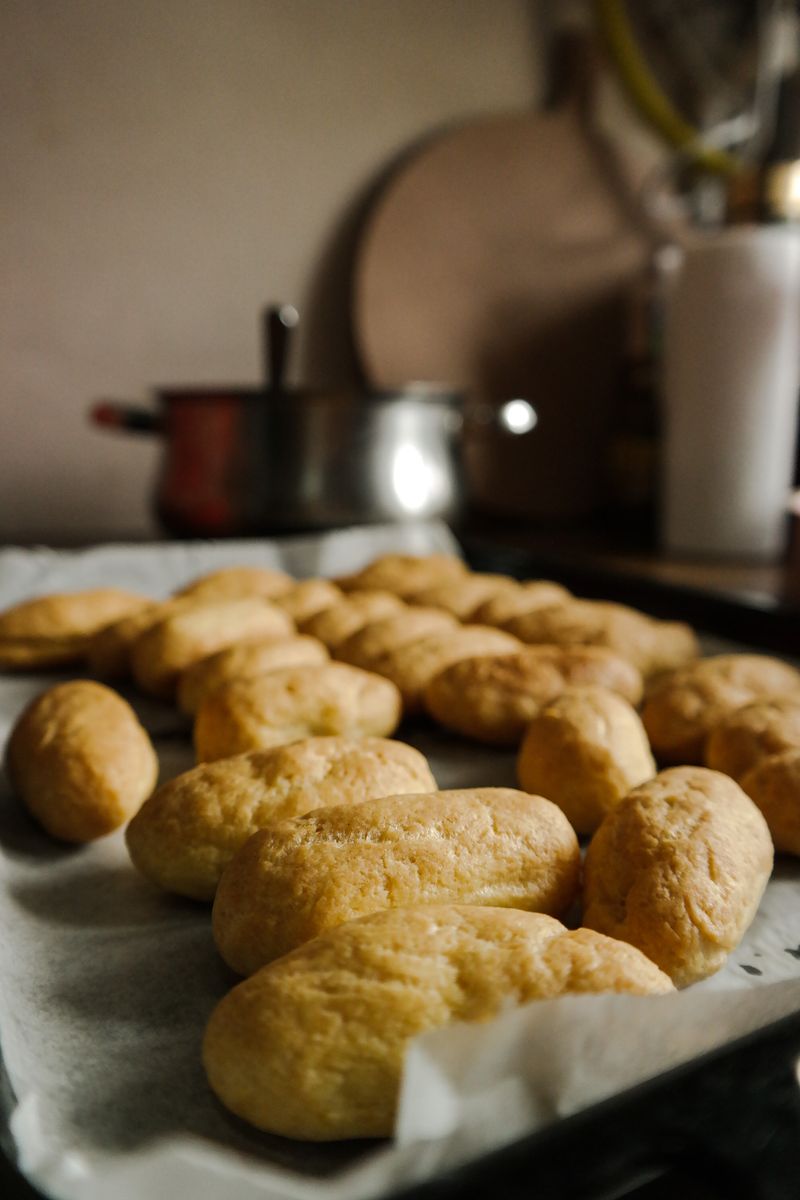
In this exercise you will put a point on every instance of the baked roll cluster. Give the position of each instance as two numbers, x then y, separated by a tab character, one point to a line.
364	905
738	714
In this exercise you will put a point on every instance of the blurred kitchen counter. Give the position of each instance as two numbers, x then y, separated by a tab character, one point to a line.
754	602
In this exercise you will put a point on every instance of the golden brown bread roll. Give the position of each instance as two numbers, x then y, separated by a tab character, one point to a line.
307	598
774	785
412	665
585	750
674	645
534	593
368	644
463	596
295	879
683	708
80	761
293	703
233	583
108	652
678	869
755	731
189	829
163	652
55	630
335	624
404	574
256	656
587	623
312	1046
652	646
492	698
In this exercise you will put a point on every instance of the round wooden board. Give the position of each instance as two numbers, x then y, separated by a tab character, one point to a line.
497	258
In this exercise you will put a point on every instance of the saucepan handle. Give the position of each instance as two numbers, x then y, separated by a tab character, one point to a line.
113	414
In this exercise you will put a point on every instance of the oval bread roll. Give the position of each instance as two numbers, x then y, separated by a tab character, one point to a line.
80	761
162	653
405	574
256	656
588	623
295	879
307	598
189	829
52	631
753	732
108	652
683	708
312	1046
534	593
652	646
774	785
293	703
377	638
493	698
333	625
678	869
585	750
462	597
674	645
412	666
233	583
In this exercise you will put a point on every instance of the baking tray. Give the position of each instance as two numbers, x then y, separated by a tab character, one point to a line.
726	1120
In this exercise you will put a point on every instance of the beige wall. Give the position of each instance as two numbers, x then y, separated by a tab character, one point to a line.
169	166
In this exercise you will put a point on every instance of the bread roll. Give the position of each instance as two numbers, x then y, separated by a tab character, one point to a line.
257	656
534	593
377	638
585	750
755	731
292	703
189	829
163	652
652	646
405	574
233	583
108	653
412	666
55	630
80	761
463	596
312	1046
678	869
295	879
335	624
683	708
492	698
774	785
307	598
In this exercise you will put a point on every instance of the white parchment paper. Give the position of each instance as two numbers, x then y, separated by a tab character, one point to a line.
106	984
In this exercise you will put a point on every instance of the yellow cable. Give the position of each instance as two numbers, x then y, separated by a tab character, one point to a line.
646	94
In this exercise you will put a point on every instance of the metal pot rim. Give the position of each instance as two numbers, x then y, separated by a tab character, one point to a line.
208	393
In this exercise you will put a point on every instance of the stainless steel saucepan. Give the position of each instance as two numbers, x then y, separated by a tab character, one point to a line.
243	461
